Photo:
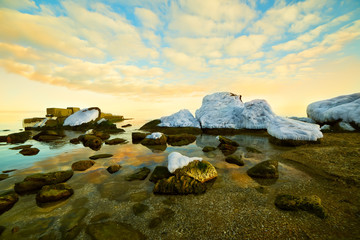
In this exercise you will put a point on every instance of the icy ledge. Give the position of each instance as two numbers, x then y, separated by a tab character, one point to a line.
177	160
183	118
83	116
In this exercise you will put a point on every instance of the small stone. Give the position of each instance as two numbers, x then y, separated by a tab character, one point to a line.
208	149
29	151
95	157
224	140
235	160
53	193
113	168
21	147
115	141
139	208
154	222
267	169
139	174
159	172
227	149
82	165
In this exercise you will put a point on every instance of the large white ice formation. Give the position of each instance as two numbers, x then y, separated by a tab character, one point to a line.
182	118
83	116
177	160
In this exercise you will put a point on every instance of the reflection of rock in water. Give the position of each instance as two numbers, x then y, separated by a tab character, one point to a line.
207	140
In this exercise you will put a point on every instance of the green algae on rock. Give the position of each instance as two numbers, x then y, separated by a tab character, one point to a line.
82	165
7	201
267	169
180	139
53	193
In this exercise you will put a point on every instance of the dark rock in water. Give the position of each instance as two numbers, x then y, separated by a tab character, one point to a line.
224	140
29	151
227	149
35	182
100	156
7	171
266	169
49	135
7	201
82	165
235	160
100	217
72	223
208	149
91	141
160	172
3	138
310	204
102	135
154	222
2	229
252	150
113	168
291	143
158	141
156	148
112	230
137	137
152	127
6	130
180	139
4	176
21	147
53	193
139	174
74	141
126	125
19	137
139	208
115	141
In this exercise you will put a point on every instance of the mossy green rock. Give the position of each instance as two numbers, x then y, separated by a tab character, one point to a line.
139	174
113	168
201	171
53	193
227	149
159	141
112	230
308	203
224	140
235	160
19	137
180	139
29	151
35	182
115	141
105	155
208	149
267	169
160	172
7	201
82	165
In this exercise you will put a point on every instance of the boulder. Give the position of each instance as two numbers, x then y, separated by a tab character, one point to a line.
160	172
35	182
177	160
139	174
82	116
235	160
115	141
21	147
180	139
310	204
91	141
105	155
4	176
227	141
227	149
102	135
53	193
111	230
137	137
267	169
113	168
183	118
139	208
7	201
19	137
29	151
208	149
155	138
74	141
48	135
82	165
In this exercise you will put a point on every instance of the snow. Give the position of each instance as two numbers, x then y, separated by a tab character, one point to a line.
154	135
345	108
101	120
182	118
285	128
257	114
83	116
177	160
325	127
303	119
40	124
346	126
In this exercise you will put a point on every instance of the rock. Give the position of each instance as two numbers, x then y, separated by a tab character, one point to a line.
182	118
139	208
267	169
4	176
53	193
19	137
82	116
126	125
100	217
7	201
155	138
154	222
71	223
224	140
227	149
48	135
160	172
95	157
177	160
2	229
3	138
82	165
152	126
74	141
180	139
235	160
91	141
201	171
113	168
11	170
29	151
112	230
139	174
208	149
309	203
115	141
290	142
137	137
21	147
252	150
35	182
102	135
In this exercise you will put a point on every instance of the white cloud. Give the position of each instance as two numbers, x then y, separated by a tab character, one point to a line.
245	45
185	61
250	67
227	62
18	4
147	17
304	23
289	46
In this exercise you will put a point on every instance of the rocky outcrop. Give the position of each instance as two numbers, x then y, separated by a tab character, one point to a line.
53	193
82	165
139	174
7	201
180	139
183	118
29	151
267	170
19	137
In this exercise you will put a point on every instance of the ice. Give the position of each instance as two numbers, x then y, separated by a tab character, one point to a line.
83	116
177	160
154	135
182	118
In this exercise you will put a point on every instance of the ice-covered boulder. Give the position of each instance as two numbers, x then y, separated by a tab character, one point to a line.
177	160
83	116
289	129
182	118
256	114
345	108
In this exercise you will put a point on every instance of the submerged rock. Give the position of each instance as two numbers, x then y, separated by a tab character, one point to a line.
155	138
160	172
227	149
310	204
91	141
208	149
139	174
29	151
235	160
21	147
252	150
267	169
180	139
71	223
227	141
102	135
113	168
7	201
139	208
115	141
35	182
53	193
19	137
82	165
48	135
4	176
105	155
111	230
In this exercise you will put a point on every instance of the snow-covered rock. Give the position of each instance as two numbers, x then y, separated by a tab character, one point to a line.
344	108
177	160
325	128
256	114
101	120
183	118
303	119
289	129
154	135
83	116
346	126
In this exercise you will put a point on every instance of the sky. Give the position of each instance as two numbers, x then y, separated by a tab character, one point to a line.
151	58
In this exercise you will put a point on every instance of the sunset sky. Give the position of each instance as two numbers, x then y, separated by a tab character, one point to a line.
152	58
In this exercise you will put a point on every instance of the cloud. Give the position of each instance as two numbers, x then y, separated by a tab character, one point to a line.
148	18
185	61
227	62
18	4
289	46
245	45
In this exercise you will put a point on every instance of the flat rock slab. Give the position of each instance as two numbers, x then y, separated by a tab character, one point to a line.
82	165
112	230
21	147
53	193
7	201
29	151
139	174
235	160
115	141
19	137
100	156
113	168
